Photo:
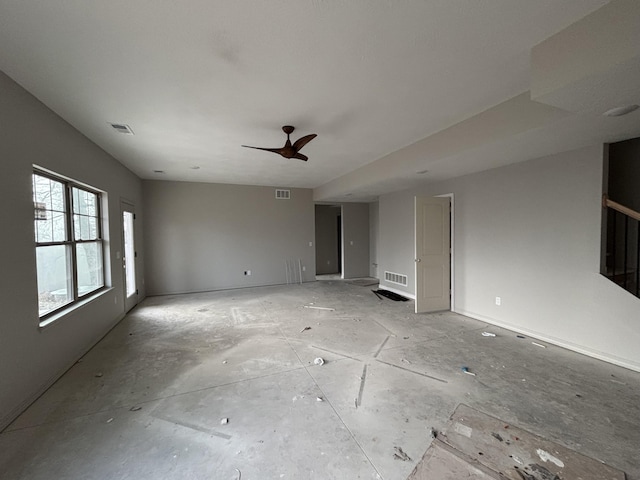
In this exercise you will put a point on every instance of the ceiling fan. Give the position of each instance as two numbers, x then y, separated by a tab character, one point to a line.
290	150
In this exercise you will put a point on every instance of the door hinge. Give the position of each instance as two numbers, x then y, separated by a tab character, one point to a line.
134	216
136	291
135	254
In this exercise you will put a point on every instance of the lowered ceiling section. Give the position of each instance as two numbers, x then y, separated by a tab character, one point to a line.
593	65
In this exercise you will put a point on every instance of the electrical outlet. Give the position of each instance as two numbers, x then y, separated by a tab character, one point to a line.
498	301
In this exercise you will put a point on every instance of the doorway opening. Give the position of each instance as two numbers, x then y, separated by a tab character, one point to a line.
329	243
129	255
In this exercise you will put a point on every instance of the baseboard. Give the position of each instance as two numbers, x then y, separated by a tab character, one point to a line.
7	419
399	292
620	362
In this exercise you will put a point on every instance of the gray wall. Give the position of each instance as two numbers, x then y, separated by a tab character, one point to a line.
31	358
529	233
327	242
355	238
202	237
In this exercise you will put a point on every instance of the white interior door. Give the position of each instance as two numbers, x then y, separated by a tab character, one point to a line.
129	256
433	254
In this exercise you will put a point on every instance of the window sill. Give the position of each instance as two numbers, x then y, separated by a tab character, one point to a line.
47	322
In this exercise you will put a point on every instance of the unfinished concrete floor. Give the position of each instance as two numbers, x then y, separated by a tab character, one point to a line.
148	400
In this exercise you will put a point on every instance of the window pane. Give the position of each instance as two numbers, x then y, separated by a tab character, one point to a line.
54	277
44	231
85	228
49	192
49	210
84	203
59	227
89	261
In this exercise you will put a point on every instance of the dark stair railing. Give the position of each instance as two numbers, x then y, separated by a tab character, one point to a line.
623	246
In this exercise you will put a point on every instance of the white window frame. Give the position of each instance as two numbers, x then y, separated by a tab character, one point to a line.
70	242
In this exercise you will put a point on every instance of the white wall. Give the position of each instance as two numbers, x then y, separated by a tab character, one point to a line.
202	237
529	233
31	358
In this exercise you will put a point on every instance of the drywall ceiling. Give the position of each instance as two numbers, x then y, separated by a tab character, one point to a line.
196	79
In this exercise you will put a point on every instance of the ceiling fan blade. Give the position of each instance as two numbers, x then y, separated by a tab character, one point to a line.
274	150
300	156
302	141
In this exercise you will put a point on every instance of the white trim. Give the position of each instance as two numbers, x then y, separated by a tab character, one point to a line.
621	362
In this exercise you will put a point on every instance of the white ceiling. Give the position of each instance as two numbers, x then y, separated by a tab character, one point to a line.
195	79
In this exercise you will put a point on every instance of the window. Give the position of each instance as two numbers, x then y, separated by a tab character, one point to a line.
69	244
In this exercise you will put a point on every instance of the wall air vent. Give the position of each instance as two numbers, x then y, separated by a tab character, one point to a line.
283	194
122	128
395	278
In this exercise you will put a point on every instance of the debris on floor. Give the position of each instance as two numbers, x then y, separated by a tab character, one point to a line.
466	370
401	455
320	308
110	420
538	472
305	329
518	454
99	374
521	336
405	361
224	421
538	345
434	433
391	295
319	399
318	361
135	409
488	334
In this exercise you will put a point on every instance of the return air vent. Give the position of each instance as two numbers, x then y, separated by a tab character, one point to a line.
283	194
122	128
395	278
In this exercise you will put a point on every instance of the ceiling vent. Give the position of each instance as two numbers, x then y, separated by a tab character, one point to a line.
122	128
283	194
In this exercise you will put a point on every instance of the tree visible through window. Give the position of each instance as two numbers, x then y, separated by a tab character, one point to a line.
69	245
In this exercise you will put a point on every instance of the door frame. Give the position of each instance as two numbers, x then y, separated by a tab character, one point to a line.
451	246
128	206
